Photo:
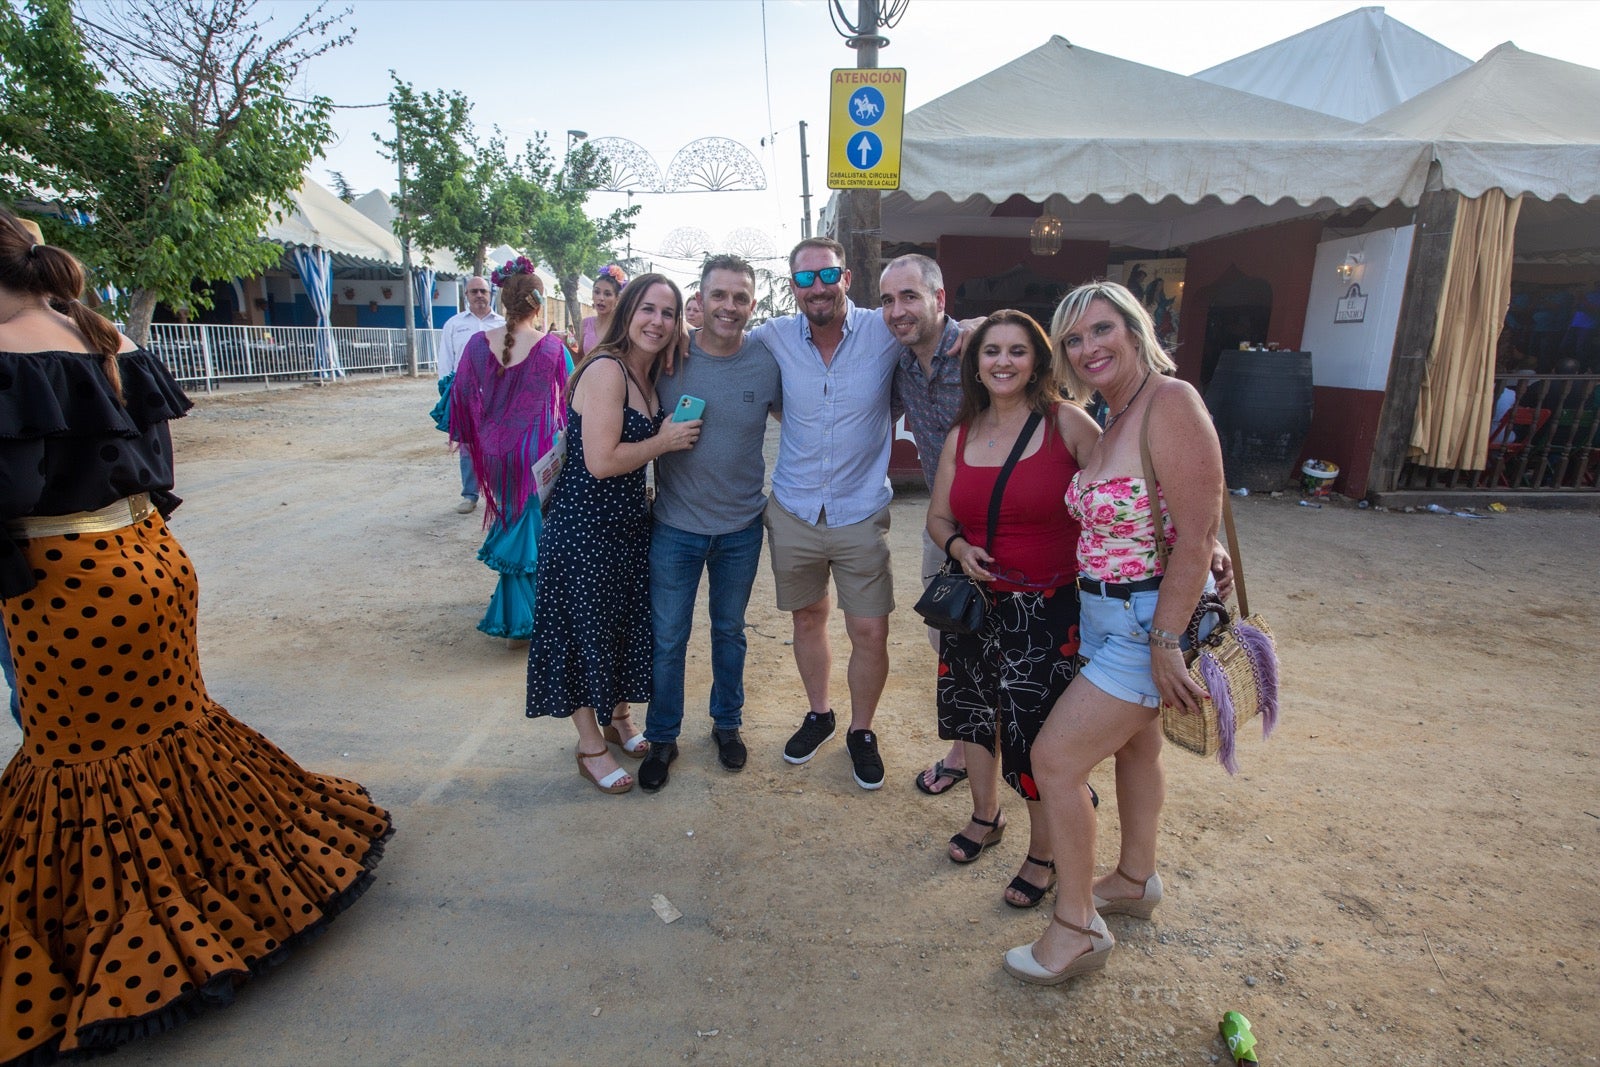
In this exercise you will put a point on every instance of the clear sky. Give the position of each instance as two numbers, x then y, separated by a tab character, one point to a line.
663	73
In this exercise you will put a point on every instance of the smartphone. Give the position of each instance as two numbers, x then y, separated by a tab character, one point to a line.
689	408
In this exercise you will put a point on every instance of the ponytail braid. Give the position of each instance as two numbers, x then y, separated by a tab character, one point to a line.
521	299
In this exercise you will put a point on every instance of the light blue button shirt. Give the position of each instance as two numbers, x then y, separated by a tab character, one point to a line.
833	447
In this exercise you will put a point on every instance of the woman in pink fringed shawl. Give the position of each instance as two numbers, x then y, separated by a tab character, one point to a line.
506	409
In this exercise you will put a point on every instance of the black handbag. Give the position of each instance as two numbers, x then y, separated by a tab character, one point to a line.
953	602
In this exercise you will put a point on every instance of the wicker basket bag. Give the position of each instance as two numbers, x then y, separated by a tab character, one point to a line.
1236	663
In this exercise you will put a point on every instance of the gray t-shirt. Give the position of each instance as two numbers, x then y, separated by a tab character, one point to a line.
716	487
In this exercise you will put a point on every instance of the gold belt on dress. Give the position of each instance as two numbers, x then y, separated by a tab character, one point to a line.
114	516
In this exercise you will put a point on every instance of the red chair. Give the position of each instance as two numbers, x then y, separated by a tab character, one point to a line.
1515	430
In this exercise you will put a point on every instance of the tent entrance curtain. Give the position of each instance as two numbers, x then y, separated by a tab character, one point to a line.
315	267
422	289
1457	399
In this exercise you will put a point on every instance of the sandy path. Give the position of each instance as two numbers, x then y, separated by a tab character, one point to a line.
1404	874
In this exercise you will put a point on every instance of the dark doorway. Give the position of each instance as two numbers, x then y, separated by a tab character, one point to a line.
1239	310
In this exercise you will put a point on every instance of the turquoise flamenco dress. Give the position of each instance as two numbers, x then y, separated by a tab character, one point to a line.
506	418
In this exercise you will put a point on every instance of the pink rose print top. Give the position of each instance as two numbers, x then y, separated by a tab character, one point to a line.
1118	542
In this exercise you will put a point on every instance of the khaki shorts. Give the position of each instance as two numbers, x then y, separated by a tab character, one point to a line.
858	555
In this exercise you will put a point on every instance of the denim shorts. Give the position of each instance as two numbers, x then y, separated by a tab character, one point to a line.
1115	640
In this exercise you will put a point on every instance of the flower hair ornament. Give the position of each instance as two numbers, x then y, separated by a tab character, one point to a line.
612	273
520	265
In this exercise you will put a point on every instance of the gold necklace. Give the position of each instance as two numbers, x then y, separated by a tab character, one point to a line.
23	311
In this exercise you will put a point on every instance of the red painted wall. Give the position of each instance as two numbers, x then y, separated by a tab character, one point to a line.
963	258
1280	255
1344	425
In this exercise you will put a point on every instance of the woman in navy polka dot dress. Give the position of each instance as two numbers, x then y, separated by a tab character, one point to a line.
590	654
154	851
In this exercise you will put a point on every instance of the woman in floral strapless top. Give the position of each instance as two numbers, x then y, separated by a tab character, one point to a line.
1131	612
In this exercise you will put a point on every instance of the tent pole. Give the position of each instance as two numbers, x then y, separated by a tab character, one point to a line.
1419	314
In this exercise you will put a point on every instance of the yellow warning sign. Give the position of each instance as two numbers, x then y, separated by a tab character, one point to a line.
865	119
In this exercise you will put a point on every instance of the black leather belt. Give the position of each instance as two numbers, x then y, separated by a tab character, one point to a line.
1118	590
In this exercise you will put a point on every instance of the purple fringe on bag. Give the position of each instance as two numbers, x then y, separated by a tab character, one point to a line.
1264	665
1222	698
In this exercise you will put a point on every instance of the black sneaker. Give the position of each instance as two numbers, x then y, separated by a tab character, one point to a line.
653	771
868	767
730	748
806	740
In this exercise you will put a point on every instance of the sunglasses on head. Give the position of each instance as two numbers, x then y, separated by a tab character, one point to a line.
829	276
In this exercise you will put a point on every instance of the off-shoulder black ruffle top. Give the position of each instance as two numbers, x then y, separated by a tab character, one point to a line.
66	445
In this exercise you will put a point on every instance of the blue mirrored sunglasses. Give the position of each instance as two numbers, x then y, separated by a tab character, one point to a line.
829	276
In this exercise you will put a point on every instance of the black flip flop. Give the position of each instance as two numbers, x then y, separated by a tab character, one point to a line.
956	775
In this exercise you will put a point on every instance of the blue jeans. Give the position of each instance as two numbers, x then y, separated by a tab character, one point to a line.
469	481
676	561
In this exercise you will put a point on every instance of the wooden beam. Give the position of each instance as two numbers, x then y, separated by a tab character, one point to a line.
1419	312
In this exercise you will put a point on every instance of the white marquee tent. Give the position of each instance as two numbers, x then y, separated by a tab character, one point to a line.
1356	66
1144	157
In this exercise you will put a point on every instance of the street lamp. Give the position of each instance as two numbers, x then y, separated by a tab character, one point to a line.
575	137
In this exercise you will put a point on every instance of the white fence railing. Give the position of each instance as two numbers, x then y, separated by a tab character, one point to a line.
211	355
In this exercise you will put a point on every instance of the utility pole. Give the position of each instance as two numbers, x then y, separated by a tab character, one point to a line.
860	221
805	186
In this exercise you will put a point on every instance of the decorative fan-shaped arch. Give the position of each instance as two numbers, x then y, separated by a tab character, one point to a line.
686	242
625	167
750	243
715	165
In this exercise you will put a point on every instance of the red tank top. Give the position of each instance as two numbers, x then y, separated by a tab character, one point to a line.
1036	544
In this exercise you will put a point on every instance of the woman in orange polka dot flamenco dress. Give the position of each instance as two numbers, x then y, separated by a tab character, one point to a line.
154	851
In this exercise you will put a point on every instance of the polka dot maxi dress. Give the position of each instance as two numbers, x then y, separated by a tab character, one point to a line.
591	643
154	851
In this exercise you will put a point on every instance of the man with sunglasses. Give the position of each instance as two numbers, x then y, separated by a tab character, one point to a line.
455	334
829	510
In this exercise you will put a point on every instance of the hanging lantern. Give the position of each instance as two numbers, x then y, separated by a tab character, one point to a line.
1044	236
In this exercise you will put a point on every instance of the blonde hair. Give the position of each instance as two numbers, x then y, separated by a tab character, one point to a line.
1135	317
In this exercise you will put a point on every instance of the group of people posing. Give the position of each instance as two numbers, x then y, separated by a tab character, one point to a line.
1085	561
155	852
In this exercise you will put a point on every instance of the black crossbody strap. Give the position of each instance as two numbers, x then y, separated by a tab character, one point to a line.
1005	473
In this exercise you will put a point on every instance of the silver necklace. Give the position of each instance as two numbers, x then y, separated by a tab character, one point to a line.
998	426
1113	419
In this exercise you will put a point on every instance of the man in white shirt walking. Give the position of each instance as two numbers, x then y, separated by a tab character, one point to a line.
455	334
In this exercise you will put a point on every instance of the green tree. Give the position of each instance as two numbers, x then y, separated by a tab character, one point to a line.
457	194
342	186
774	297
563	233
168	124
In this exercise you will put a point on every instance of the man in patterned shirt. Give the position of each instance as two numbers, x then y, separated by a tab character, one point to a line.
927	388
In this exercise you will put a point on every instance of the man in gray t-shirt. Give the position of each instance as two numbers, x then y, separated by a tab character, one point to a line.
708	507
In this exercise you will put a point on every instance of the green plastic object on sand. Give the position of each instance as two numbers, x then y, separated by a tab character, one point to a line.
1235	1030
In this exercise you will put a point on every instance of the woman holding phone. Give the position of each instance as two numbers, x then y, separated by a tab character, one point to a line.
590	655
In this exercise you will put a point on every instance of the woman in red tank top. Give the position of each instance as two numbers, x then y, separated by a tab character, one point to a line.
996	686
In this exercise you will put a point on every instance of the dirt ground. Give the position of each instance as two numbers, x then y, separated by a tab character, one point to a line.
1398	876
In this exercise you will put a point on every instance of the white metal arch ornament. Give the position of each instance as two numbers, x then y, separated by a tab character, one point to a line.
715	165
625	167
751	244
686	242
